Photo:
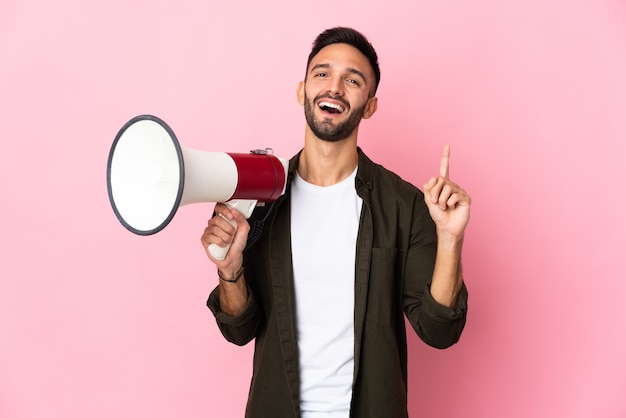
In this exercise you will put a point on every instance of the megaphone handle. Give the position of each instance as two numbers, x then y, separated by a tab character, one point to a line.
245	207
220	252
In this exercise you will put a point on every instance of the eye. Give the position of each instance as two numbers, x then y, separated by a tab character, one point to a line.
354	81
321	75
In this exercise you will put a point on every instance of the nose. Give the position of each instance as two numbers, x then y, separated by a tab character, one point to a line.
335	86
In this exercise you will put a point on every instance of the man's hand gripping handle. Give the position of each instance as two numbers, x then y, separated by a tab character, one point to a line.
246	207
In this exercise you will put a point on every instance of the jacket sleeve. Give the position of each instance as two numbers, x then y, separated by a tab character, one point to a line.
240	329
436	324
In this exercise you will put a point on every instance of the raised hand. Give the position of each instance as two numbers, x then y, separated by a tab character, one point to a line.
448	203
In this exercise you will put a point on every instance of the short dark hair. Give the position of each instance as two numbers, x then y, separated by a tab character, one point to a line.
343	35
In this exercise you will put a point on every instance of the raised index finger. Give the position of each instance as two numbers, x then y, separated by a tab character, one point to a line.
444	168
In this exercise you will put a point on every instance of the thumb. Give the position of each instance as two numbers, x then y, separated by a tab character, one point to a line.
428	186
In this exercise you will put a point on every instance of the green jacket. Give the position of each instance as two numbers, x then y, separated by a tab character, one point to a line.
396	248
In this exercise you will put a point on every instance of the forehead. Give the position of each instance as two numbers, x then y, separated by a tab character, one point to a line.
342	57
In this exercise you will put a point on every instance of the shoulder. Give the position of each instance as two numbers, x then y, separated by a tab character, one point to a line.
381	180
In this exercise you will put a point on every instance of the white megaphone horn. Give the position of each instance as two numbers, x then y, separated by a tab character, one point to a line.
149	175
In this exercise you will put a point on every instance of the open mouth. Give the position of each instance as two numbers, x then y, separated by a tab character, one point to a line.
329	107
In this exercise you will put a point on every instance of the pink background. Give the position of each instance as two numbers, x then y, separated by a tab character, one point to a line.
531	95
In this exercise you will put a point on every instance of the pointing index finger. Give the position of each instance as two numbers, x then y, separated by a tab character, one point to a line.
444	168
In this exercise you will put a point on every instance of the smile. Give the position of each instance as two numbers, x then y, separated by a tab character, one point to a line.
330	107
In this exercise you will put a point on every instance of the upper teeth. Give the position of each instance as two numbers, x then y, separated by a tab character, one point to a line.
333	105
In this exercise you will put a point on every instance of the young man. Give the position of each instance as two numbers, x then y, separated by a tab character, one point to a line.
347	252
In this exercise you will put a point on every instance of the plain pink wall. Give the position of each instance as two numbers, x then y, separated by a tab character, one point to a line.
96	322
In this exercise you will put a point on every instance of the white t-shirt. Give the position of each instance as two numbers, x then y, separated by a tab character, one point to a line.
324	228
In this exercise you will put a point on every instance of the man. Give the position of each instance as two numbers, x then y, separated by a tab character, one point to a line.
343	255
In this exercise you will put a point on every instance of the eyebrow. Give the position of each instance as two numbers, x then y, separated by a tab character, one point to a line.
350	70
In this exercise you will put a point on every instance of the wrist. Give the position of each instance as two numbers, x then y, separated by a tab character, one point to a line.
449	242
232	277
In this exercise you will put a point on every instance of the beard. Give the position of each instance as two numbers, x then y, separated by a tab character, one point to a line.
324	129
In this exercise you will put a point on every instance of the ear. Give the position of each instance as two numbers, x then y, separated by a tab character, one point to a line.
370	107
300	93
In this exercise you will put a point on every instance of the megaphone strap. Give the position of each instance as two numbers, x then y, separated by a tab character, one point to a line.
256	229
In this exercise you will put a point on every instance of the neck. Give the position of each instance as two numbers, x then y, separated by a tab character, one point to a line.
326	163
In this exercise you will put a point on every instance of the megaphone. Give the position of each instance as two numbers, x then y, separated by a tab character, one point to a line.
149	175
